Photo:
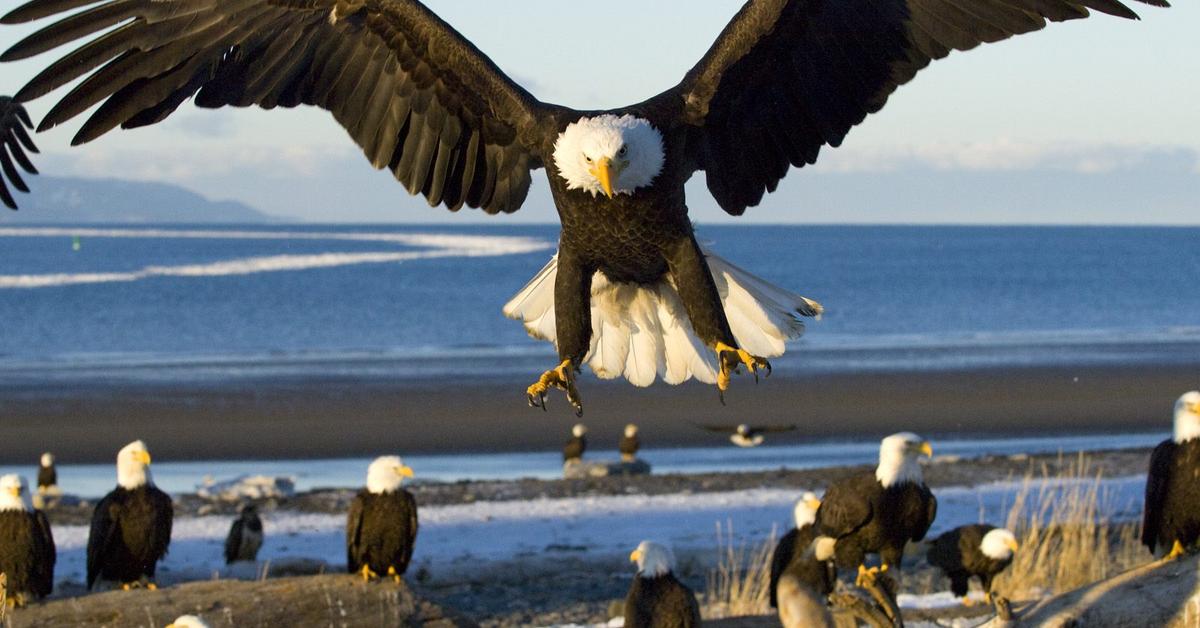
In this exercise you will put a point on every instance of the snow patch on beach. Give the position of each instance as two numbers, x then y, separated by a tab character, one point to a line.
470	536
433	245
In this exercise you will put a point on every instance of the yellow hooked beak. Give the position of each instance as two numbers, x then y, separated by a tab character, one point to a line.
812	504
1013	545
142	457
635	556
15	491
404	471
602	169
1194	408
927	449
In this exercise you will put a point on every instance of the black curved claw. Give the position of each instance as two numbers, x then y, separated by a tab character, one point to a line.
721	396
768	365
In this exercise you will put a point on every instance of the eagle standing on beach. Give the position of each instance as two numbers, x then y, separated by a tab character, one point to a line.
977	550
131	526
15	139
629	444
656	598
630	292
245	536
1171	519
27	552
574	448
381	527
47	476
795	553
878	513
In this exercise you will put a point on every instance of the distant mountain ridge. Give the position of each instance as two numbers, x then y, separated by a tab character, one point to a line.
78	200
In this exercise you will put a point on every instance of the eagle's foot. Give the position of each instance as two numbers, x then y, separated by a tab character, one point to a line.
561	377
16	600
1177	550
150	586
967	601
392	572
367	574
730	360
866	576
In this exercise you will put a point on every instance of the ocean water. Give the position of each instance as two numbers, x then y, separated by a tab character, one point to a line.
153	302
93	480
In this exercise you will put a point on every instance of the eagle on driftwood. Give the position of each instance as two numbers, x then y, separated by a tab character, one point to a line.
630	292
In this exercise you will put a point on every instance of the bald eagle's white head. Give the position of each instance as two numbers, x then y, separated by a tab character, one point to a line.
386	473
579	430
1187	417
630	430
805	511
609	155
188	621
653	559
13	492
899	456
47	459
133	466
999	544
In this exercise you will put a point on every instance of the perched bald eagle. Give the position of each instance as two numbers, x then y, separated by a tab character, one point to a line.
878	513
245	536
15	139
26	544
575	447
629	444
630	292
381	528
795	553
47	477
131	526
1171	518
657	599
978	550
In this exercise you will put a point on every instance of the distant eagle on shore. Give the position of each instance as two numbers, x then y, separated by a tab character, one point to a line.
744	435
381	527
47	477
880	512
27	553
656	598
1171	519
630	444
245	536
15	139
630	292
576	445
131	526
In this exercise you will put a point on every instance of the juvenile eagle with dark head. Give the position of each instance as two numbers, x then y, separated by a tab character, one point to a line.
630	292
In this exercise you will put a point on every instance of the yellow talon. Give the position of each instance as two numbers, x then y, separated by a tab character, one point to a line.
561	377
367	574
126	587
729	360
866	576
1177	550
967	601
151	586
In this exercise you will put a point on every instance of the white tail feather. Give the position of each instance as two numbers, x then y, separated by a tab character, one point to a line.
641	332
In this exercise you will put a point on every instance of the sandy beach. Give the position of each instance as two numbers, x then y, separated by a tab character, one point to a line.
281	417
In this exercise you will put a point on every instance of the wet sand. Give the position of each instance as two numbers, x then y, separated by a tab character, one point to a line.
305	417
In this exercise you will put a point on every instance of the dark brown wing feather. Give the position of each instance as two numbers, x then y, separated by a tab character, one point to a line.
787	77
416	96
47	555
354	519
1157	480
15	139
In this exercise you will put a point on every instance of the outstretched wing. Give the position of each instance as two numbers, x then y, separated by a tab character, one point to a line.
787	77
720	429
770	429
15	139
414	94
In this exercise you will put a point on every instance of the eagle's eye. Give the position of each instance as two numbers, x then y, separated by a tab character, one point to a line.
589	159
624	149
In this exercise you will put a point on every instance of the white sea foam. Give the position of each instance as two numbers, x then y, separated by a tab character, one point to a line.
432	245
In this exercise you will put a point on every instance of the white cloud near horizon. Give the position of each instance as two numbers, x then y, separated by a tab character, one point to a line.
1004	154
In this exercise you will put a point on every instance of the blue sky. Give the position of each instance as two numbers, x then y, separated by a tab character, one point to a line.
1093	121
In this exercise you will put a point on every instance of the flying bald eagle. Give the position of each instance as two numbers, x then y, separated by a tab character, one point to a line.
630	291
878	513
381	527
978	550
15	139
1171	519
245	536
744	435
656	598
795	553
26	545
131	526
